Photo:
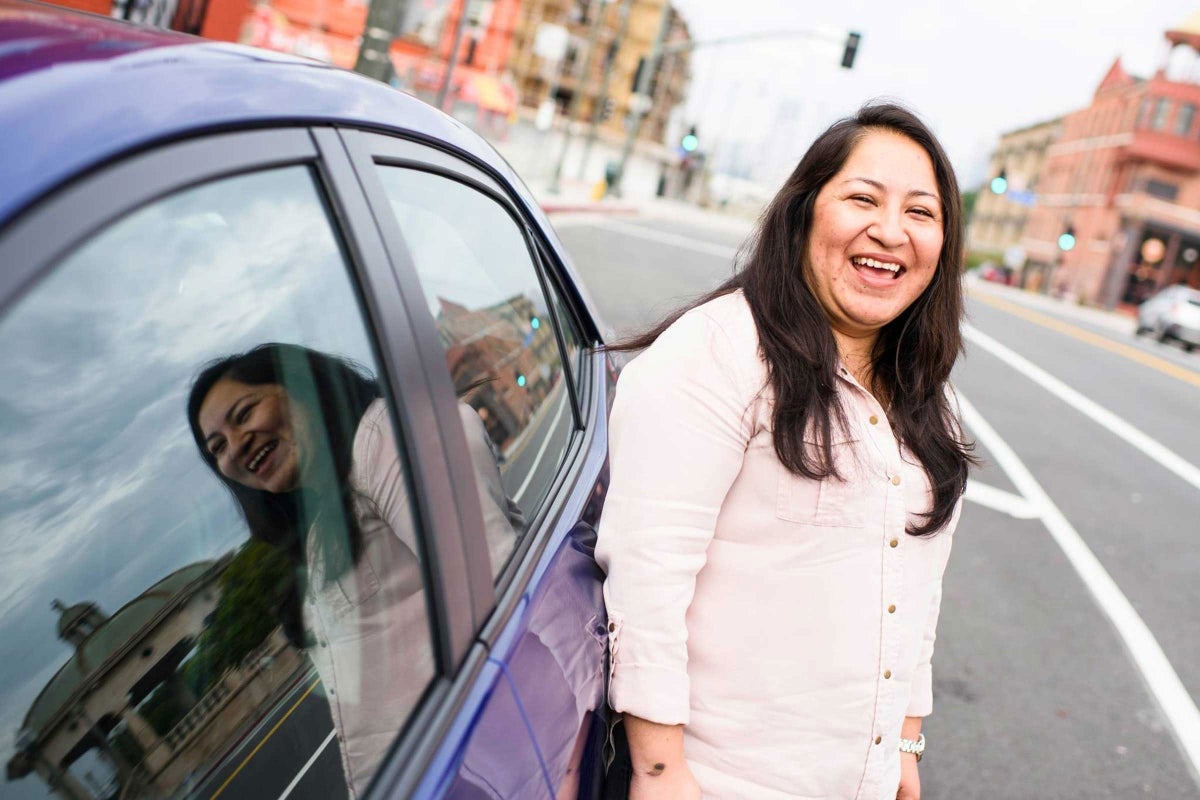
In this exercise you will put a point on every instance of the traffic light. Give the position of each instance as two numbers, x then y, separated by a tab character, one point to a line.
1000	183
690	141
852	40
1066	241
521	380
535	323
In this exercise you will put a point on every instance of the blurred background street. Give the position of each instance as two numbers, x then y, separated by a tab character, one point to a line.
653	132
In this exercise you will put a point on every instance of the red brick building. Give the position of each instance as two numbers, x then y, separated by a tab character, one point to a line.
1124	178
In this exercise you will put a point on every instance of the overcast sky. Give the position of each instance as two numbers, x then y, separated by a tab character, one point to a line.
972	68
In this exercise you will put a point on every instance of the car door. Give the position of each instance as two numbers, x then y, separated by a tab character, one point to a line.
144	628
507	343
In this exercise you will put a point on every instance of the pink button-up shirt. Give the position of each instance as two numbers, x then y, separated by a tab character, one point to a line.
787	623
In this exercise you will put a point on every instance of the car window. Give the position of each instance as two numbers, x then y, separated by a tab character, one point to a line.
479	280
211	569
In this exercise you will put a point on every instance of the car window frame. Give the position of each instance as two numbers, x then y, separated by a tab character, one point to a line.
583	462
36	239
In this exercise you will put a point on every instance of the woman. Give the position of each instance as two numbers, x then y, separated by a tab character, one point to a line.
786	476
304	443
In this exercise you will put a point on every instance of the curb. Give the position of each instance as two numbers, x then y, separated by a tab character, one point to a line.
586	208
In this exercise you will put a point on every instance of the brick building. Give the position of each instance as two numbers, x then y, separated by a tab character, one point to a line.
1124	178
998	219
535	79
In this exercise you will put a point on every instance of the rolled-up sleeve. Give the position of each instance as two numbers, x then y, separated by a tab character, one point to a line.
678	434
920	703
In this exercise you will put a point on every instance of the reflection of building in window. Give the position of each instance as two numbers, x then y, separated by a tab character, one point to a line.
509	350
136	711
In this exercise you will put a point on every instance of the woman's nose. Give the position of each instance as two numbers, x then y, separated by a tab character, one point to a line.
887	230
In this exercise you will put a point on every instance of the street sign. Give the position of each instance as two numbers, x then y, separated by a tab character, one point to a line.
1022	197
551	42
1014	257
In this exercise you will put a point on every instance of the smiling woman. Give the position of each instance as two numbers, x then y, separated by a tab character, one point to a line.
786	477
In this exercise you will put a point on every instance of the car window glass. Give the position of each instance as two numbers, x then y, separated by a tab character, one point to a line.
214	591
482	288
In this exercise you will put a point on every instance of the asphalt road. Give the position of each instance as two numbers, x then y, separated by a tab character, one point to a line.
1068	657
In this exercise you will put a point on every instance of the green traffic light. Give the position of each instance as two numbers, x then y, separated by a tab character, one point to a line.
689	143
535	323
999	184
1066	241
521	381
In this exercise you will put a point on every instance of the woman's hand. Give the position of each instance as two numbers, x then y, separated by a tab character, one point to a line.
670	784
910	780
660	772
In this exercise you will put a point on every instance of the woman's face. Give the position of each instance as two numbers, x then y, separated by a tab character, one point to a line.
876	235
249	431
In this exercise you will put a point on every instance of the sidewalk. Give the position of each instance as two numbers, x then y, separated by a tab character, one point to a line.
1116	321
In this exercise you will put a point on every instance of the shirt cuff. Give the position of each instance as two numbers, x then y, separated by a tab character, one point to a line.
920	698
653	693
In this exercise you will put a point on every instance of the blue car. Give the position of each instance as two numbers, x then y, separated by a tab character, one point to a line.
302	437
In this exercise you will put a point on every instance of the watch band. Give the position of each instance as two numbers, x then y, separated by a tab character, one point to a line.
917	748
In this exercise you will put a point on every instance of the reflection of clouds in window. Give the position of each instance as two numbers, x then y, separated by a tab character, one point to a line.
466	247
102	492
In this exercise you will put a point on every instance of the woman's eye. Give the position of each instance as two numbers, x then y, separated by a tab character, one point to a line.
217	448
862	198
924	212
244	414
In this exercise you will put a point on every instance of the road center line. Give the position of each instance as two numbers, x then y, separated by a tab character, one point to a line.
1088	407
303	770
1176	704
671	239
1103	342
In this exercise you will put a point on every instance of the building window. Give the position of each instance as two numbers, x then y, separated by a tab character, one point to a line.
1183	121
1162	190
1161	111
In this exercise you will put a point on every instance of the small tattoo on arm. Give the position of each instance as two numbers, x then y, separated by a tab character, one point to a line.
659	769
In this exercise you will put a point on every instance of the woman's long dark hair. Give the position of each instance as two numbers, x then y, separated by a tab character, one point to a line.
913	354
333	393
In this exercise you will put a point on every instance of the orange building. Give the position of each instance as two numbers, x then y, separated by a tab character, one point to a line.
331	30
1124	179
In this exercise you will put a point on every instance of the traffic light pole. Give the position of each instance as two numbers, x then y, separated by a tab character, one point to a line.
577	96
384	19
451	62
642	90
602	98
658	50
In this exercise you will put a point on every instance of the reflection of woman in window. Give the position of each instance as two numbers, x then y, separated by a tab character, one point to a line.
304	443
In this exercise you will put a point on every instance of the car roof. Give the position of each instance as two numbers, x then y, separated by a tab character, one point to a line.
77	89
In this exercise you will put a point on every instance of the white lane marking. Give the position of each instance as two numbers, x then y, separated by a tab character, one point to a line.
1088	407
1164	684
537	458
306	766
671	239
999	500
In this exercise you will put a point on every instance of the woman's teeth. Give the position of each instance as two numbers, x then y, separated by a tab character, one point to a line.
873	264
259	456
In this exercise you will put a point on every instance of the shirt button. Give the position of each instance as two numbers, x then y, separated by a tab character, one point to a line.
878	739
895	480
324	643
891	609
874	420
894	543
887	673
612	627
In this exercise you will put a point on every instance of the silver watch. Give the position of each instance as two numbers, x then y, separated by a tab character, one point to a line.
917	748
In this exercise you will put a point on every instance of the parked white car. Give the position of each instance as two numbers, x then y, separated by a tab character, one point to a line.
1173	313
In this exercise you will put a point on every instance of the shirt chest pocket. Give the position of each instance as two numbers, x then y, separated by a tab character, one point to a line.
342	596
837	502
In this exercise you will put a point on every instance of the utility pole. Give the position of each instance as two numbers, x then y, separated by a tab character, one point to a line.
602	98
384	19
581	77
453	60
643	85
